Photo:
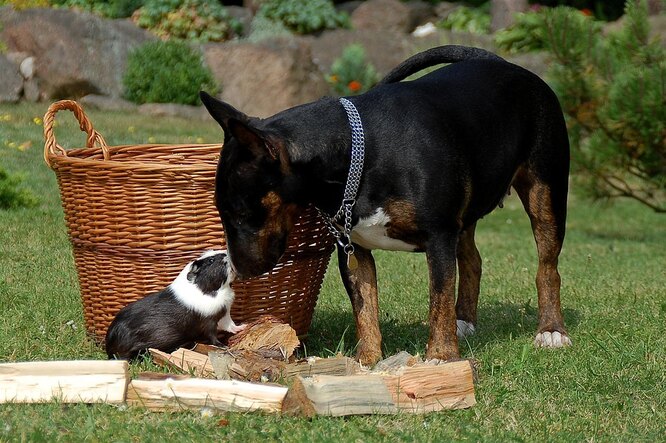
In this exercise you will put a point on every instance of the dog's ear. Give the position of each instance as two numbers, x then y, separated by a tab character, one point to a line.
252	139
221	111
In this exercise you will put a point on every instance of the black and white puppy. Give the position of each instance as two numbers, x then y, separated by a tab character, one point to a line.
191	309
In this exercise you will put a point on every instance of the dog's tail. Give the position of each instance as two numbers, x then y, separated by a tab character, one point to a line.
435	56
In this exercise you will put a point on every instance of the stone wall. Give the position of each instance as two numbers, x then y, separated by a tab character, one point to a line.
58	53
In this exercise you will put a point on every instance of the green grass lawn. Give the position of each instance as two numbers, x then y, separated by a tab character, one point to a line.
610	386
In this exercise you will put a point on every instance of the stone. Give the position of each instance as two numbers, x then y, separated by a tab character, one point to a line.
265	78
31	91
502	12
243	15
174	110
537	62
11	85
382	15
443	9
27	67
384	49
105	103
420	13
16	57
75	53
348	7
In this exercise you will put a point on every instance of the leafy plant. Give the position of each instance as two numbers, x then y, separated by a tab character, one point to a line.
11	195
106	8
527	33
25	4
351	74
263	28
196	20
613	92
466	19
305	16
166	72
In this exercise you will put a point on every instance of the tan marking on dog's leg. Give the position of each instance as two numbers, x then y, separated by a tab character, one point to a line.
443	342
361	285
549	235
469	271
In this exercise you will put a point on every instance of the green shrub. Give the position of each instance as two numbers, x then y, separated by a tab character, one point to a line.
613	92
351	74
263	28
305	16
527	33
25	4
106	8
465	19
11	196
196	20
166	72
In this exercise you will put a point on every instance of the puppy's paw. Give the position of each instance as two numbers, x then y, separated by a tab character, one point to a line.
465	329
549	339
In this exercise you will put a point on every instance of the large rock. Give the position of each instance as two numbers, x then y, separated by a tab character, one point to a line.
384	49
263	79
503	12
382	15
75	53
11	85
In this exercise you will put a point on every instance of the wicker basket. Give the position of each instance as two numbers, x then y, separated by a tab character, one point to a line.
137	214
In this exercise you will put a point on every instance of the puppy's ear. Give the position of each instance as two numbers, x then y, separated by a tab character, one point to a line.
222	112
194	270
254	140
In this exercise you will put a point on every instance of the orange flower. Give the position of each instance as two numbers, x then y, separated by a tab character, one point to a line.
587	12
354	86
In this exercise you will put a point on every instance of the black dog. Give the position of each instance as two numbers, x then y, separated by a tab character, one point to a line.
440	152
191	309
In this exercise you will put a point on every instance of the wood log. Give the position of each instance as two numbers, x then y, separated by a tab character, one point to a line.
78	381
309	367
190	362
197	393
417	390
268	336
396	363
246	365
252	366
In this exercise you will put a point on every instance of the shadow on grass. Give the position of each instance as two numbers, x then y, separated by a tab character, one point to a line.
624	235
499	321
334	332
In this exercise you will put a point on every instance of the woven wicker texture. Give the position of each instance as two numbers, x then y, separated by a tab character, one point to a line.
137	214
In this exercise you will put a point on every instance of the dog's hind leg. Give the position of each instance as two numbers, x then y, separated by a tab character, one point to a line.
469	272
441	255
361	286
545	203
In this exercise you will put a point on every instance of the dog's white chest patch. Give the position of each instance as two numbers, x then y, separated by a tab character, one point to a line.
370	232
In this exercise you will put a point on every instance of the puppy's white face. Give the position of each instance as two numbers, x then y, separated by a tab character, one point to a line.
204	285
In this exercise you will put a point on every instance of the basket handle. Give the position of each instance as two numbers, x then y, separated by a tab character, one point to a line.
52	148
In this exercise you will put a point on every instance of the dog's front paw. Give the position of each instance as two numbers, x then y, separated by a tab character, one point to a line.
553	339
464	329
